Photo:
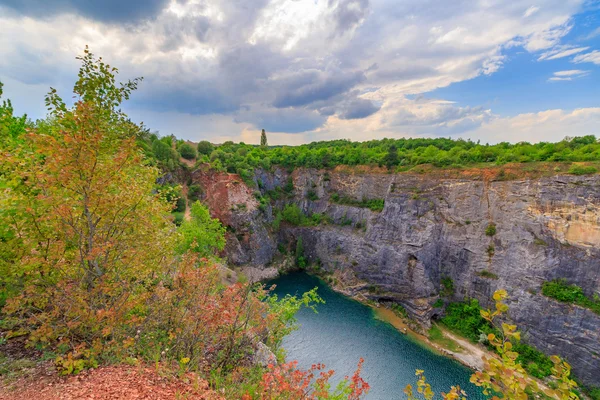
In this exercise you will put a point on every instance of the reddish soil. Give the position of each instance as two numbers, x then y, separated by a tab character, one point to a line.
113	382
224	192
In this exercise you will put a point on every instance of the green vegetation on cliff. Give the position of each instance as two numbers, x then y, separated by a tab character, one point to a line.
560	290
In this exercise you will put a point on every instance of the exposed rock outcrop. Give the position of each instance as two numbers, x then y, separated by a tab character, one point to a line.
432	228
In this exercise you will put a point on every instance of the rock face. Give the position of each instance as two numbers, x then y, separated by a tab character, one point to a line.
431	229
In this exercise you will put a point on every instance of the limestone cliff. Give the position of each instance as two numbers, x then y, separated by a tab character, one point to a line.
432	228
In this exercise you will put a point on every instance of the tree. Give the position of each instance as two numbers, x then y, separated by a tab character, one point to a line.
89	232
391	158
205	147
201	233
187	151
263	139
504	376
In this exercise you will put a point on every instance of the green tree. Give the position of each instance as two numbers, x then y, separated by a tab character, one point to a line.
300	260
187	151
201	233
263	139
205	147
391	158
80	201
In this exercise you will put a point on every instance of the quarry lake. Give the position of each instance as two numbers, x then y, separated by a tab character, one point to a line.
345	330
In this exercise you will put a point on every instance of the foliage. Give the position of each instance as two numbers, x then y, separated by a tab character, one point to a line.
90	255
312	195
372	204
167	157
465	318
391	158
201	233
286	382
487	274
560	290
293	214
504	377
300	260
490	230
193	316
582	170
79	202
263	139
187	151
447	286
12	128
439	152
205	148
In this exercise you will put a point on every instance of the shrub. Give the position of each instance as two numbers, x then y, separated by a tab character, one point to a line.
187	151
582	170
487	274
312	195
447	286
465	318
195	192
205	147
180	204
178	218
293	214
372	204
490	230
201	233
560	290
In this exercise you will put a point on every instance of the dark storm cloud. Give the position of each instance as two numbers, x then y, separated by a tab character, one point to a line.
204	98
349	13
101	10
310	86
358	108
288	120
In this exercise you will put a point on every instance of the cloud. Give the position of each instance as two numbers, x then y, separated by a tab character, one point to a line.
106	10
560	52
592	34
358	108
286	65
530	11
546	126
308	86
593	57
568	75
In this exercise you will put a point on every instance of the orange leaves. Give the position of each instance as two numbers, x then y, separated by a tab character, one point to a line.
287	382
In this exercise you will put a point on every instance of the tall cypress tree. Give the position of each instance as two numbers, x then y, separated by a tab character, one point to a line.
263	139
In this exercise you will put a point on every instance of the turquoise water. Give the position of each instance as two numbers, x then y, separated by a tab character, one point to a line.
344	330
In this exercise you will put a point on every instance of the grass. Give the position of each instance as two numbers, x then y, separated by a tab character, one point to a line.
487	274
560	290
372	204
437	336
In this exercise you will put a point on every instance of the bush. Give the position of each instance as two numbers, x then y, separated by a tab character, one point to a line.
447	286
535	362
465	318
205	147
187	151
490	230
195	192
293	214
582	170
312	195
560	290
372	204
178	218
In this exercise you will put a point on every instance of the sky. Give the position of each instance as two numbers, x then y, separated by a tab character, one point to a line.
308	70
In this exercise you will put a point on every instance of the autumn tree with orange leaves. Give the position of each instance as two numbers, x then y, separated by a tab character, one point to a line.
89	233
